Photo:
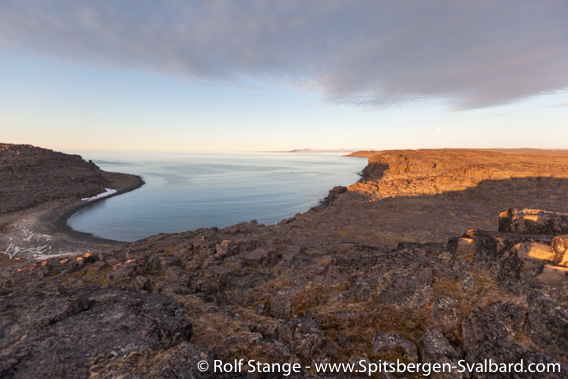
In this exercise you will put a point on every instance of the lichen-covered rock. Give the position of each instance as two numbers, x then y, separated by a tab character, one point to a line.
435	348
446	310
305	338
514	315
514	260
394	345
281	303
407	291
483	327
533	221
547	324
44	339
485	337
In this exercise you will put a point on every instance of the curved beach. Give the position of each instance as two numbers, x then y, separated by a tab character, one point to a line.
40	189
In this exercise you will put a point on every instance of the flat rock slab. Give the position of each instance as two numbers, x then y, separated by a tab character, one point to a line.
55	334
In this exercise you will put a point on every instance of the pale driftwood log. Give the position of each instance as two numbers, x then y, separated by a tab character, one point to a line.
12	250
16	251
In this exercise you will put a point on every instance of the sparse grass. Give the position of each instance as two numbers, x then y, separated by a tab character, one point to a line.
353	333
313	296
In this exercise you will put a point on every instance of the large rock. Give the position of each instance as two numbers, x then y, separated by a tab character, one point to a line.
55	334
486	337
533	221
513	315
515	260
306	339
547	324
560	249
435	348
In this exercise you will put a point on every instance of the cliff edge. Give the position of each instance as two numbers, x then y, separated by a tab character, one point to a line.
31	175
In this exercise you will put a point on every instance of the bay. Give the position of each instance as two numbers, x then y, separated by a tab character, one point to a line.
187	191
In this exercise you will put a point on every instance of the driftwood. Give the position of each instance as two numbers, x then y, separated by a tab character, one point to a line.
12	250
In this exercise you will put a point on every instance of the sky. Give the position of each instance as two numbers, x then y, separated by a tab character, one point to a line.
238	75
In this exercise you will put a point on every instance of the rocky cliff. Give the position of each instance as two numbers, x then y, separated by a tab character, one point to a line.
330	285
30	176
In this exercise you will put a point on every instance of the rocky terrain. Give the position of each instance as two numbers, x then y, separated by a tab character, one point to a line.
38	189
31	176
433	256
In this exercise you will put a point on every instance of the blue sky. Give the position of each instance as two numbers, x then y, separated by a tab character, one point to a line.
256	75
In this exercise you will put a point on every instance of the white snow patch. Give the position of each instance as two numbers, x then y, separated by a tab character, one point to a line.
108	191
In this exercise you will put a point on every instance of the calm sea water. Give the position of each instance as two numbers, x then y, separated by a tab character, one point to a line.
186	191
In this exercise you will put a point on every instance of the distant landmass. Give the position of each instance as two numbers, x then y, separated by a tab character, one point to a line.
317	151
323	151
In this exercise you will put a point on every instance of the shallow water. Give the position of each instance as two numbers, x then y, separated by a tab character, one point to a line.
186	191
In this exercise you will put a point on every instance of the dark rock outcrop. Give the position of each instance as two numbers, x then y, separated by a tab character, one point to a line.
61	333
39	175
434	348
533	221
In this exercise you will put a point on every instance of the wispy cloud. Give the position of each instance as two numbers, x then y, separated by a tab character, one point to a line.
364	53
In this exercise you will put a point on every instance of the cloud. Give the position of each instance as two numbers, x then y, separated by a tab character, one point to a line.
365	53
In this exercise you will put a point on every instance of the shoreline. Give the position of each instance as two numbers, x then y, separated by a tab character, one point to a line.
45	225
51	217
61	221
160	225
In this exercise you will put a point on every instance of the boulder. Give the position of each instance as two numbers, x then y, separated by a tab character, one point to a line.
535	250
409	292
305	338
533	221
560	249
435	348
547	324
513	315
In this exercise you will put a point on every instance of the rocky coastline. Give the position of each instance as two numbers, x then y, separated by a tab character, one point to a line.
434	256
39	190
